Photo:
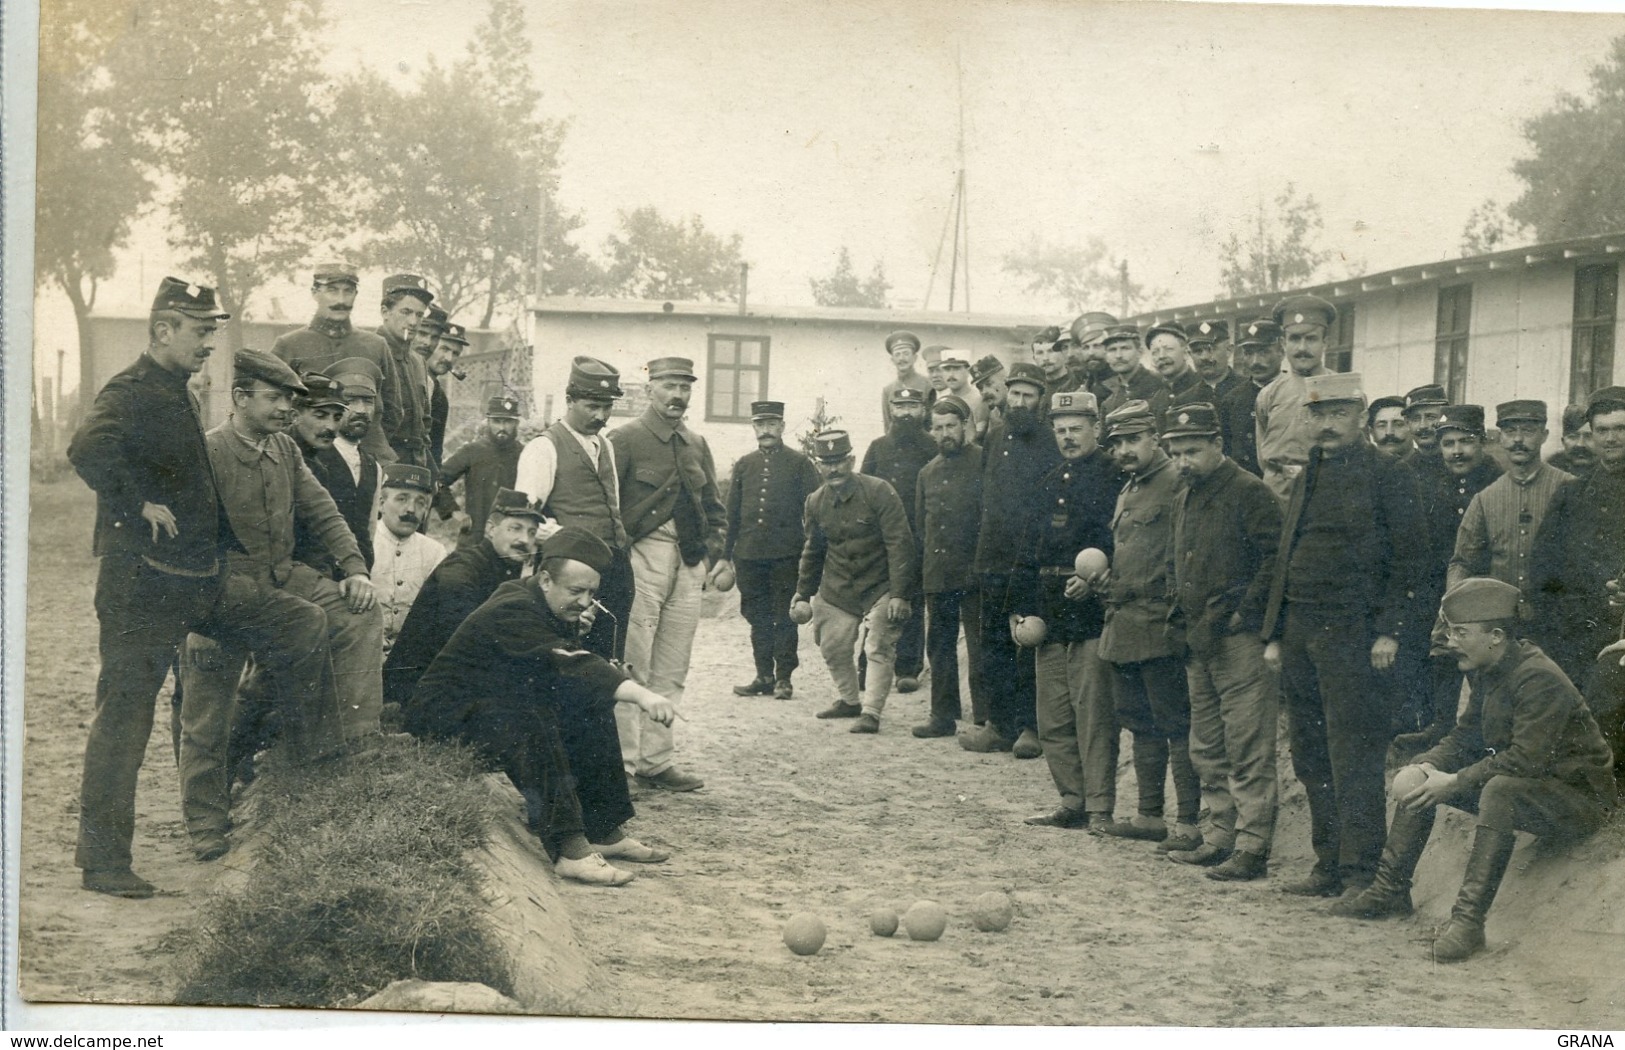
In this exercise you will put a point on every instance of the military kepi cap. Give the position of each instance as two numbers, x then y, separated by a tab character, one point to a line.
1130	418
1574	417
1304	309
933	356
590	377
358	375
1526	411
503	406
951	405
193	300
410	283
1121	330
1430	396
832	446
1463	417
335	273
985	369
1210	332
673	368
510	503
452	332
900	338
1091	326
434	320
1480	599
1194	420
1608	399
1074	403
1262	332
321	391
1173	328
1024	372
767	410
257	364
408	476
1333	387
577	544
907	395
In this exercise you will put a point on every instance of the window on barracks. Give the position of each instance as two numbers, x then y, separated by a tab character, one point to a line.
736	375
1450	341
1340	340
1591	359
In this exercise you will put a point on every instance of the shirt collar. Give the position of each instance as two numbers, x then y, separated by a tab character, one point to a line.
331	328
659	427
247	451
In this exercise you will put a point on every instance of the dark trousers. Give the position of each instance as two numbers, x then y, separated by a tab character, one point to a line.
766	586
1152	700
1545	807
1007	669
1338	715
946	612
534	758
615	591
144	615
592	744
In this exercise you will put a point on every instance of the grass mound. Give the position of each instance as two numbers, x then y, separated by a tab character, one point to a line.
362	877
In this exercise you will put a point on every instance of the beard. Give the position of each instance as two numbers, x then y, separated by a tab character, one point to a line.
1022	421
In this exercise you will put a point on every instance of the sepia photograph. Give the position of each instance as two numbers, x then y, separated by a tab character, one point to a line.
1100	514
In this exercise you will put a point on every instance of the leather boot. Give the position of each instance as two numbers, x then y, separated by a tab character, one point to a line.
1463	935
1390	892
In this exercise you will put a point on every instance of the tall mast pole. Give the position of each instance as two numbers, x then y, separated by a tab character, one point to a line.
962	228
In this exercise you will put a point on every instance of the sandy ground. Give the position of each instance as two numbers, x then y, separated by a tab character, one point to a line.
797	815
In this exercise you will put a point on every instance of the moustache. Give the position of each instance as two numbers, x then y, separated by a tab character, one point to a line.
326	435
1390	439
408	518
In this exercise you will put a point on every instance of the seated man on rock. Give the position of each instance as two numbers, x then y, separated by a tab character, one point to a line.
1526	755
504	678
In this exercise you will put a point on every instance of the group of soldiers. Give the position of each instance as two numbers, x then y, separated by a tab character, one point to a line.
1182	551
1185	550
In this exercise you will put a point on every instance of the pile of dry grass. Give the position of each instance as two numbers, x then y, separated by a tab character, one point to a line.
362	878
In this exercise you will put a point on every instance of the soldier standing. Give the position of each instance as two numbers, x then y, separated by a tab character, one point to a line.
897	459
1227	529
1387	427
1148	680
1131	380
161	537
1209	351
486	464
403	408
331	337
1261	352
440	359
987	376
948	508
766	493
1017	456
1168	346
904	350
676	524
858	561
1077	722
1284	430
1339	602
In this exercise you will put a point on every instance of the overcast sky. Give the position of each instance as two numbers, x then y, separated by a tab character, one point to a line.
1154	126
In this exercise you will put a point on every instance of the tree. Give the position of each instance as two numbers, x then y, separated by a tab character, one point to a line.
1574	181
89	185
452	174
1490	229
656	258
842	288
1279	251
246	175
1079	278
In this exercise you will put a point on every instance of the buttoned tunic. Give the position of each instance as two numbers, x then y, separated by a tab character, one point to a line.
858	546
1497	534
484	466
766	494
1141	591
1012	466
667	475
948	510
399	569
1227	529
320	345
1075	504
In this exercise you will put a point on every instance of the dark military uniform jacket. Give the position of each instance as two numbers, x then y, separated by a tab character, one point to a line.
1142	384
1444	499
1205	392
1187	388
321	344
1073	509
1580	547
897	458
858	546
403	402
667	474
483	466
1140	595
461	583
1526	719
142	442
1238	425
501	674
766	494
948	509
1012	466
1349	541
355	502
1227	529
439	412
